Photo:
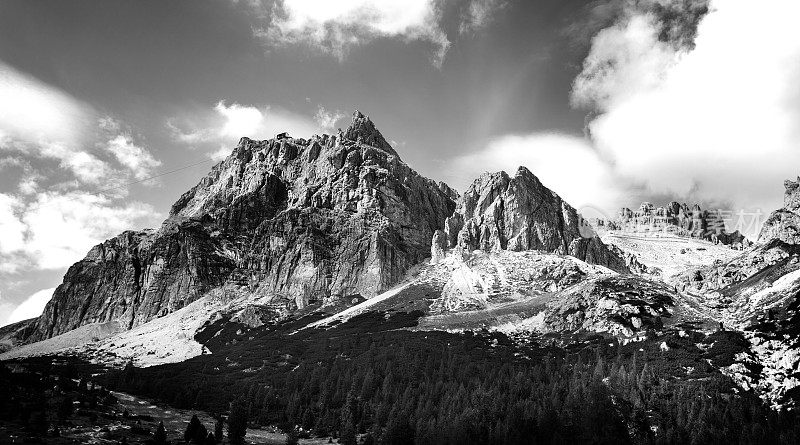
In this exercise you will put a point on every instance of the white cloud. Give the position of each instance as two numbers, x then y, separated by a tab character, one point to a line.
56	230
31	307
717	122
479	14
239	120
138	160
40	121
87	167
12	230
326	120
250	121
198	135
337	26
223	125
32	110
567	165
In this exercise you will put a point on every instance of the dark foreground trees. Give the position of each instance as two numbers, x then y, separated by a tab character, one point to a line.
195	432
237	422
438	388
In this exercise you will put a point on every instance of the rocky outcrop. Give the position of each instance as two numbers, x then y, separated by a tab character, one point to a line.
438	246
298	221
679	219
138	276
618	305
784	224
500	212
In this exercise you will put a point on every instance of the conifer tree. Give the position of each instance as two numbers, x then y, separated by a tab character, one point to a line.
237	422
160	436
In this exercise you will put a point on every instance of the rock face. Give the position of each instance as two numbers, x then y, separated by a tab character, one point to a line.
499	212
679	219
784	224
618	305
296	220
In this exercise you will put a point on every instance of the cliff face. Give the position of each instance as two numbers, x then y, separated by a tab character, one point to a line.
295	220
784	224
500	212
136	277
681	219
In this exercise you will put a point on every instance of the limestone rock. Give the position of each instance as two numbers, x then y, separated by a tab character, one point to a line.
291	220
621	305
499	212
438	246
784	224
680	219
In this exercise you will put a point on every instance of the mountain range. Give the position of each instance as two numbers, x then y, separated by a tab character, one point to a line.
321	231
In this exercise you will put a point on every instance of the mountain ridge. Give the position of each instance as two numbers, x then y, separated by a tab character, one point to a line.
275	217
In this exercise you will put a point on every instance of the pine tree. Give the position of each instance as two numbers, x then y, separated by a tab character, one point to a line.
195	431
237	422
348	428
160	437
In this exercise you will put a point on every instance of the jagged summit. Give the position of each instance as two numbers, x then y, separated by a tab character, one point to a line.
296	221
362	130
784	223
501	212
679	219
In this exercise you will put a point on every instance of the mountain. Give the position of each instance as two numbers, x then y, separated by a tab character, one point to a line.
500	212
326	284
758	294
308	223
302	221
784	223
680	219
335	236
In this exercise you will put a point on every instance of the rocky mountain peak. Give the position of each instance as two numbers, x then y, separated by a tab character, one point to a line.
295	221
362	130
501	212
791	196
681	219
784	224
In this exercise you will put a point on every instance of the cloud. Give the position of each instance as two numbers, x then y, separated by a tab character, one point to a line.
31	307
250	121
221	126
87	167
138	160
32	110
337	27
198	135
715	119
327	119
39	120
239	120
55	230
567	165
478	14
12	230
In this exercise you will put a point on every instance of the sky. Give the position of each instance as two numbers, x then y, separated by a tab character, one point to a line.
110	110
